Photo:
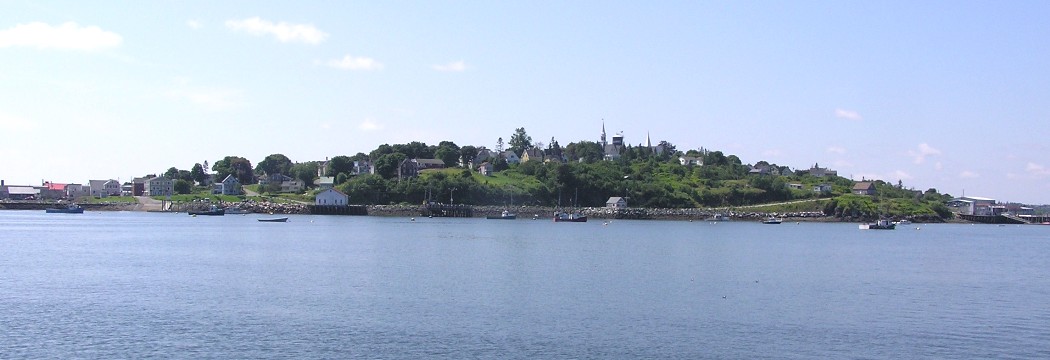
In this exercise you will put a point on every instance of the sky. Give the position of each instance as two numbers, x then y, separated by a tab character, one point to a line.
951	95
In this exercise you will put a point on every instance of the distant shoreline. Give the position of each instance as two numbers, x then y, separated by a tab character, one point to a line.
523	212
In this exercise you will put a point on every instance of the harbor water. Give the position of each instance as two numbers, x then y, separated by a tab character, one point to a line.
156	285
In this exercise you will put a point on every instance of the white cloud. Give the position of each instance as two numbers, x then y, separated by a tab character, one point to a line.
1037	170
458	66
370	124
355	63
213	99
282	31
836	150
68	36
938	166
924	151
969	174
194	24
15	123
847	114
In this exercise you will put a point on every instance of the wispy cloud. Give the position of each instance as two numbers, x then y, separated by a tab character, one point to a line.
967	174
1037	170
457	66
847	114
924	151
282	31
836	150
194	24
370	124
68	36
15	123
355	63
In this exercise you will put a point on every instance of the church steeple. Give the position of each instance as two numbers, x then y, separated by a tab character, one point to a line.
648	143
602	141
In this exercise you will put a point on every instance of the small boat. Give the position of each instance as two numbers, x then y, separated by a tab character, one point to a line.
562	216
719	217
505	215
213	211
69	209
282	219
236	210
879	225
903	222
772	220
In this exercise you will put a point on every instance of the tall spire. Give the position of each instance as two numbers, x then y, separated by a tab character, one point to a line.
648	144
602	141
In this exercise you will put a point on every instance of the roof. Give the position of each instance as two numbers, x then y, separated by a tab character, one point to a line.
863	185
22	190
615	199
54	186
430	161
332	190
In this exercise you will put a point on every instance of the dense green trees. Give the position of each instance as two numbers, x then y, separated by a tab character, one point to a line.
274	164
237	166
519	141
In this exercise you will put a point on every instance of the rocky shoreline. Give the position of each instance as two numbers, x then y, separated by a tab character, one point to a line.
523	212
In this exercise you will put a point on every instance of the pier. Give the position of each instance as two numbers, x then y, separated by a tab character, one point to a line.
337	209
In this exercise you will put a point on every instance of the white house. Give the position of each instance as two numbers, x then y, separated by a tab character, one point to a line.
331	197
511	157
104	188
616	202
485	169
690	160
822	188
160	186
229	186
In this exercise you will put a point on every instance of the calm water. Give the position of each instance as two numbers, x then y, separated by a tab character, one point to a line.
138	285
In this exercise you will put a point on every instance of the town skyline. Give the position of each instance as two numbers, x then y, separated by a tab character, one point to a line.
937	96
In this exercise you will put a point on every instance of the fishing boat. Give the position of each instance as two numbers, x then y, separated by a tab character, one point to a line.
281	219
904	222
69	209
719	217
572	216
505	215
772	220
213	211
576	216
879	225
237	210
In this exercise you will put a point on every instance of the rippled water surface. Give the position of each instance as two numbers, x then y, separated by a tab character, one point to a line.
138	285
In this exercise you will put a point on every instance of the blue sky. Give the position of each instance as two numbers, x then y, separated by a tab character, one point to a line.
949	95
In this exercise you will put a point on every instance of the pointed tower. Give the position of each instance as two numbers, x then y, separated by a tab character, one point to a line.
602	141
648	143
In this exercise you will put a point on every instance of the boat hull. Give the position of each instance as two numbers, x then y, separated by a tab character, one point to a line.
64	211
500	217
274	220
208	213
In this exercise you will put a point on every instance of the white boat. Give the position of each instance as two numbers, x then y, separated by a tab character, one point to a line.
505	215
879	225
903	222
236	210
719	217
772	220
